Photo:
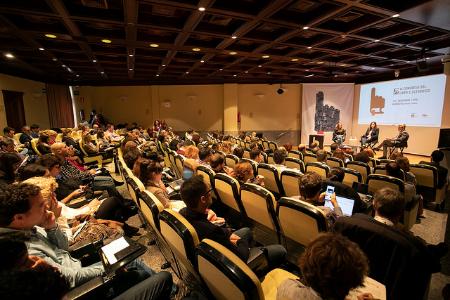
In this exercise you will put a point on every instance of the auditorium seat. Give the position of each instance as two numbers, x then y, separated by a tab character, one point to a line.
309	157
87	159
252	163
227	189
259	205
182	239
294	163
273	146
290	180
318	168
351	176
173	164
231	160
265	145
334	162
207	175
228	277
300	221
295	154
270	160
179	163
427	184
271	179
381	169
361	167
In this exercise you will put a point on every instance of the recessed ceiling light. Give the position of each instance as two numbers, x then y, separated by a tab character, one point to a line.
130	69
163	65
343	65
106	41
187	72
102	72
372	68
246	72
233	53
54	59
268	73
202	61
335	75
259	66
130	55
220	69
154	45
41	49
157	75
63	66
396	16
94	60
196	49
78	75
9	55
307	70
376	41
305	27
427	58
50	36
309	47
234	75
294	59
320	62
201	8
310	75
407	61
265	56
234	37
345	74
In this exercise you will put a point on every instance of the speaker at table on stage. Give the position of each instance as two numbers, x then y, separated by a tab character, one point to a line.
339	134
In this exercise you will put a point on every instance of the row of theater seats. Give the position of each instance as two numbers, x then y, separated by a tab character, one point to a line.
198	263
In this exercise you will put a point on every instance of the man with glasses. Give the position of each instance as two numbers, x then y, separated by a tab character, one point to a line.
197	196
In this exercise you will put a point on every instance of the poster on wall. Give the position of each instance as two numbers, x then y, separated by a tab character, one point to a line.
323	106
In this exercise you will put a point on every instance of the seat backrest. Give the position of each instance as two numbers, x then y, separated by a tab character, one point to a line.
351	176
426	175
271	178
383	161
150	207
380	169
361	167
300	221
173	164
295	163
207	175
259	205
396	259
319	168
231	160
265	144
179	162
134	185
273	146
252	162
80	142
179	234
270	160
295	154
309	157
376	182
227	189
17	136
34	146
290	180
334	162
225	274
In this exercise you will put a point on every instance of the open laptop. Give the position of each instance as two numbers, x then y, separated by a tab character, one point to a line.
119	253
346	204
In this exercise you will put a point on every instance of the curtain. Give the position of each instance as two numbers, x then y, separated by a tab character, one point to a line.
59	103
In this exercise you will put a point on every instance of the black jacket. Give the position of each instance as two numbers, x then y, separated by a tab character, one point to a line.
373	135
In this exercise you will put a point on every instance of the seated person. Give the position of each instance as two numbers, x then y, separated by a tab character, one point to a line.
239	152
197	196
26	276
191	152
362	156
371	135
94	149
218	164
310	191
436	157
339	153
335	178
401	140
322	156
9	162
243	172
151	176
204	156
43	144
314	147
25	138
279	156
403	163
256	155
331	265
110	135
339	134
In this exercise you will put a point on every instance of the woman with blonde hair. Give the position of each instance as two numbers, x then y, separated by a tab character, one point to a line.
191	152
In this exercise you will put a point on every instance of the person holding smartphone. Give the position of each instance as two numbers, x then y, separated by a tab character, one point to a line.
310	187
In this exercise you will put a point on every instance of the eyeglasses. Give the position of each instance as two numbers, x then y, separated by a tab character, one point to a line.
207	193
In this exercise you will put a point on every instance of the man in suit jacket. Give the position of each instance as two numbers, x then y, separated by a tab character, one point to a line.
436	157
401	140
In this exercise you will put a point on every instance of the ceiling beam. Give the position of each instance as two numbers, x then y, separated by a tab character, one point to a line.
130	8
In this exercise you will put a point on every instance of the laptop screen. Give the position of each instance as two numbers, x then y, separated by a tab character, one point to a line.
346	205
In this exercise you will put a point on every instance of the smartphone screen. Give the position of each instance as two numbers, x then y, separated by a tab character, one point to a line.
329	192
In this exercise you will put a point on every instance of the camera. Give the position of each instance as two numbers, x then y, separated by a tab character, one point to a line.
281	91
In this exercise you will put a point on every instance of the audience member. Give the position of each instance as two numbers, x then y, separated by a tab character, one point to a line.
322	156
35	130
256	155
243	172
436	157
239	152
218	164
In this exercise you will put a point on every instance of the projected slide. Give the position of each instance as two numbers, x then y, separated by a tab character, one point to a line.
416	101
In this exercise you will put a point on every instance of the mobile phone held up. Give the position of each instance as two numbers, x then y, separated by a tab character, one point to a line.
329	191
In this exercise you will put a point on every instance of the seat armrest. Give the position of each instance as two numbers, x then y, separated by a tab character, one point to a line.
86	250
86	290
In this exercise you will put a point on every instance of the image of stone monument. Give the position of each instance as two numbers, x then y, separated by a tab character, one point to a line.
326	116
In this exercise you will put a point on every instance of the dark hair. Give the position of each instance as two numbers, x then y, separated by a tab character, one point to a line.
362	156
217	159
49	161
333	147
204	153
31	170
239	152
336	174
321	155
403	163
279	156
437	156
389	203
394	170
147	168
173	145
192	190
12	250
310	184
7	166
7	129
34	126
43	138
15	199
255	153
100	134
332	265
131	156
